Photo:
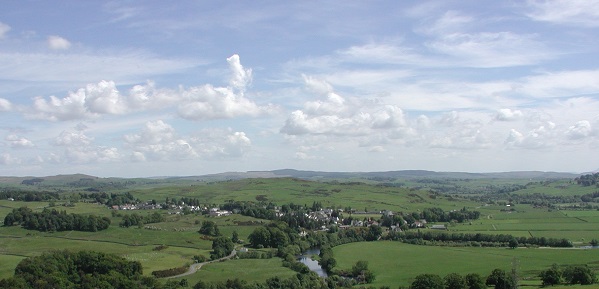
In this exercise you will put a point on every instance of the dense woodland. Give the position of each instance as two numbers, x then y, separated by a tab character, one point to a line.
51	220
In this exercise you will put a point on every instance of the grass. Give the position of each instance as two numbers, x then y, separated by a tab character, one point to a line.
285	190
151	260
250	270
8	264
394	263
397	264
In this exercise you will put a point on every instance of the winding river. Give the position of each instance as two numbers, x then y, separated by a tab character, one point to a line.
306	258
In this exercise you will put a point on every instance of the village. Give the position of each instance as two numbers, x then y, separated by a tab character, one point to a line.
325	217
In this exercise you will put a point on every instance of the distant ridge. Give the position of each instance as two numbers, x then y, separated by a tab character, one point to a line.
425	174
317	175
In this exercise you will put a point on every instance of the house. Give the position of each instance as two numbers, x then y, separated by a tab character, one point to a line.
388	213
438	227
216	212
418	224
395	228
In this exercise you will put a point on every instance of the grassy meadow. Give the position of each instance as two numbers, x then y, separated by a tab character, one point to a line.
393	263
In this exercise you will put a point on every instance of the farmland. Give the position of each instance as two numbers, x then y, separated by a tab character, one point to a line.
507	206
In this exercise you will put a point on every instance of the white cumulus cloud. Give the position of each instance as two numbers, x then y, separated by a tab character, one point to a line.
16	141
5	105
159	141
88	102
3	30
580	130
241	77
337	115
58	43
203	102
506	114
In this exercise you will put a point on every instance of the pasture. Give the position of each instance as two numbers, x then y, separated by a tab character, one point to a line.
395	263
249	270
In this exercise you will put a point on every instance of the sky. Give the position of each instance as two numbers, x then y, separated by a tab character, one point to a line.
159	88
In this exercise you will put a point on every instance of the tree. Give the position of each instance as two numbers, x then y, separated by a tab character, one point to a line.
427	281
581	274
374	232
500	280
235	237
475	281
360	271
221	247
455	281
513	243
551	276
594	243
83	269
260	237
278	238
209	228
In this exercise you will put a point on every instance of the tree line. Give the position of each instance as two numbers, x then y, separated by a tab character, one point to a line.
51	220
27	195
475	239
588	180
139	220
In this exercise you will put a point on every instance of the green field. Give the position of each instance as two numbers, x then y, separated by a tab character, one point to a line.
245	269
396	263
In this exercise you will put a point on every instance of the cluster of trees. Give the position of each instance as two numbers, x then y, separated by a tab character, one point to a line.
272	235
209	228
361	273
112	199
438	215
500	279
138	220
51	220
476	239
575	274
588	180
181	201
169	272
299	281
221	247
85	269
450	281
327	262
255	254
27	196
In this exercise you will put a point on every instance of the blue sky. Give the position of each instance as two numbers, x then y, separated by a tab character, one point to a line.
154	88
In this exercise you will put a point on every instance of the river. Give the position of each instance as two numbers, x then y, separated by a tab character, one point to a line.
306	258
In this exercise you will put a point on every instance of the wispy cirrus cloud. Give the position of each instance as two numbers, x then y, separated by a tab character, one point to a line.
583	13
86	67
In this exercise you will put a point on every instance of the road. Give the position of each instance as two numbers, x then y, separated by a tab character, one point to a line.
196	266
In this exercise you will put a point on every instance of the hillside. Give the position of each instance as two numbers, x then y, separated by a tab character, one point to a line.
308	175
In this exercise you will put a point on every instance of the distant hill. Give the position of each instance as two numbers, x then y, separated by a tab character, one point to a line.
309	175
403	174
